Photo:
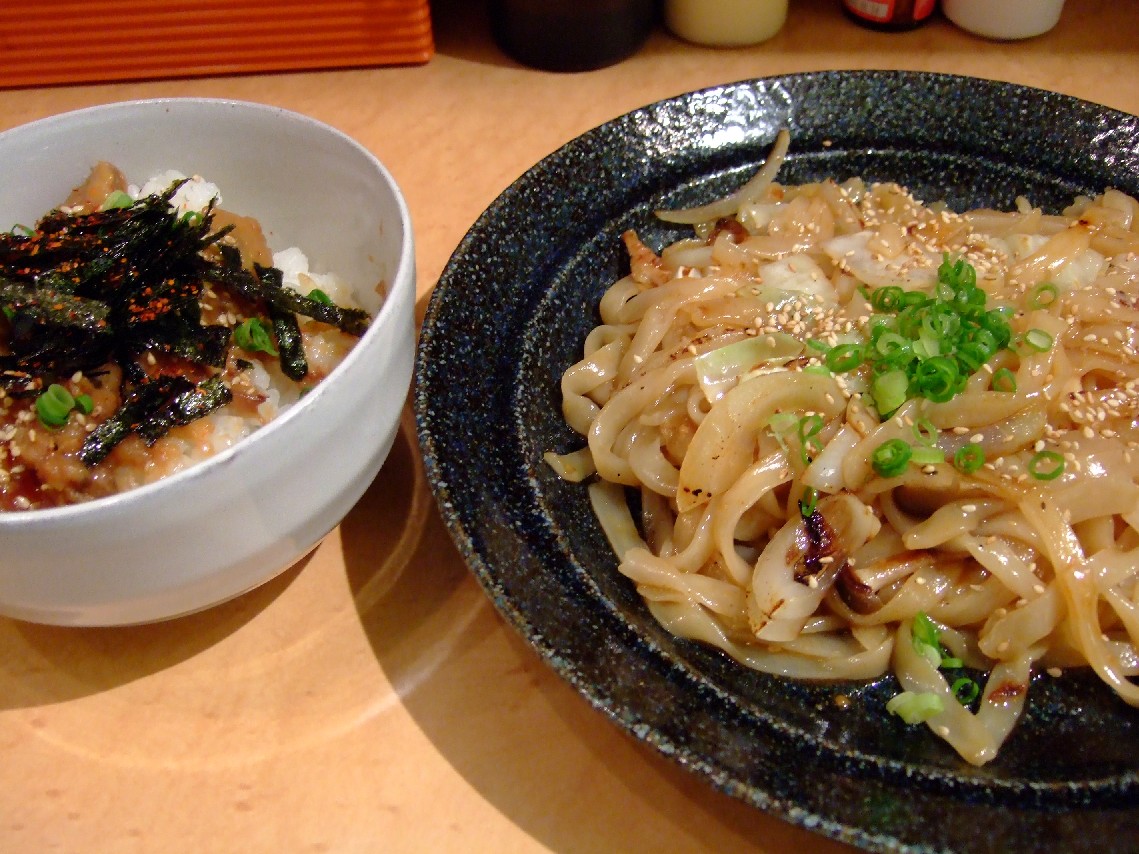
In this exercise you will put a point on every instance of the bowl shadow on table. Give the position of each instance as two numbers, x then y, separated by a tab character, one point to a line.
41	664
532	747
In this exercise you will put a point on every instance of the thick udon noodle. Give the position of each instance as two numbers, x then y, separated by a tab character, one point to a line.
1020	574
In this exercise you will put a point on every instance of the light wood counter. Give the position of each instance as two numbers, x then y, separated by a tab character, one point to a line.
370	698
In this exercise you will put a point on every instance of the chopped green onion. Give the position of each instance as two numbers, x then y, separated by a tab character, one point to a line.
1003	380
893	347
845	357
891	458
920	345
54	405
935	342
924	631
932	654
958	274
926	346
818	370
941	322
915	708
808	501
781	422
320	296
936	378
924	455
996	321
253	336
926	638
965	690
976	347
1046	465
1043	295
969	458
84	404
889	298
889	391
23	230
116	199
808	428
925	432
1038	340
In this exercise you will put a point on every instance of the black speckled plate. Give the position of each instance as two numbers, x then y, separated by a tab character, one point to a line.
510	314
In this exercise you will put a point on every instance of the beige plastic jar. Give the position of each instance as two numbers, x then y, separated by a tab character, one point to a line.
725	23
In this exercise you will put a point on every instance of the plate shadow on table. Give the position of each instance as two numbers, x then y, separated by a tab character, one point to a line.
530	745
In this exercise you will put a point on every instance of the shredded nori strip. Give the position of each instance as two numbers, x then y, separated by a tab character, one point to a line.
294	363
290	347
124	285
152	409
50	334
49	307
354	321
205	347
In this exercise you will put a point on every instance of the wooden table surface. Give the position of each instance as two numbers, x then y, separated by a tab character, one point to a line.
370	697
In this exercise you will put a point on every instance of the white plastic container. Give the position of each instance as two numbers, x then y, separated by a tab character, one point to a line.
725	23
1004	19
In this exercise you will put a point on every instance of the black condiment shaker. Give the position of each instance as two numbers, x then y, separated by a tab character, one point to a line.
571	35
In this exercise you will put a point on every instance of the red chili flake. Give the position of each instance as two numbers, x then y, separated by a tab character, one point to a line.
1007	691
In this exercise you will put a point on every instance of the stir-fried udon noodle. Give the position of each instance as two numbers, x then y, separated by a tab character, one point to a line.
873	435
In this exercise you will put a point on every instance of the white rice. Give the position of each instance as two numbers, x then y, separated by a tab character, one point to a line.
194	195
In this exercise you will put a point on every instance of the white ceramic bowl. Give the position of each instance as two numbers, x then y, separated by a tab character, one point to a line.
232	522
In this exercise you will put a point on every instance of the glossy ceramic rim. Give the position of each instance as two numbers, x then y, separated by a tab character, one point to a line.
516	299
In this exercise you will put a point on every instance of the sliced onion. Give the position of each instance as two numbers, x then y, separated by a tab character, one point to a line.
751	191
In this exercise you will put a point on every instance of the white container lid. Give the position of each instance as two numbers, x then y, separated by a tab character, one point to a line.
1004	19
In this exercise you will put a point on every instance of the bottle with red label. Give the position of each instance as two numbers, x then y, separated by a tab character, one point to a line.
890	15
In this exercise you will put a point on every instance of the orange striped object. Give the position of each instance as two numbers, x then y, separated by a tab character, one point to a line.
44	43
